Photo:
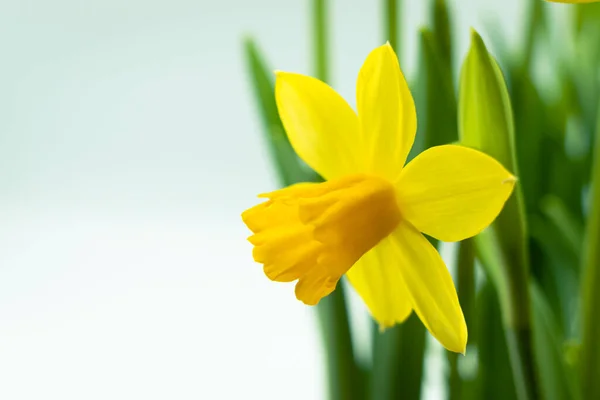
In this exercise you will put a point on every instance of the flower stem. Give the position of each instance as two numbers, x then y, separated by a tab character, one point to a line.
535	22
345	379
390	15
398	358
320	43
590	347
466	297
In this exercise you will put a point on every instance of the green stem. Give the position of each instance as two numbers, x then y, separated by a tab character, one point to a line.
518	321
442	31
398	358
590	348
344	377
519	344
345	381
536	17
391	24
321	45
466	297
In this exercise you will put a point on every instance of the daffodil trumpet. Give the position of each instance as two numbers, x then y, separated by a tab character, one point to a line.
366	221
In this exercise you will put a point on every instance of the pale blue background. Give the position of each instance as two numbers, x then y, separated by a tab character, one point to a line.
129	145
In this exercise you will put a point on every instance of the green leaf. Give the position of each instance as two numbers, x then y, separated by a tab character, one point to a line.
495	377
320	39
569	226
466	296
390	16
398	357
535	23
556	379
289	167
586	14
559	277
345	378
486	123
583	63
590	347
442	31
530	116
439	123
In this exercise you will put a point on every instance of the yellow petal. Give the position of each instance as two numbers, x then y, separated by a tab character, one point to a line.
386	110
431	289
453	192
377	279
321	126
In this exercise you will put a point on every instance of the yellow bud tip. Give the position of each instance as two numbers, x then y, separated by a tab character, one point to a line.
477	43
473	32
279	72
511	179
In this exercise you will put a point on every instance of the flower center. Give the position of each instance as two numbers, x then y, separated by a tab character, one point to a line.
316	232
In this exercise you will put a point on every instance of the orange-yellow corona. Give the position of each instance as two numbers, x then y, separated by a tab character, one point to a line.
366	220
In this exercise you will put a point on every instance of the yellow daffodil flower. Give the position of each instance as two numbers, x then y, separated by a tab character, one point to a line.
366	220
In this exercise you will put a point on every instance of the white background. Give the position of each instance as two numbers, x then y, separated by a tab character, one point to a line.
129	145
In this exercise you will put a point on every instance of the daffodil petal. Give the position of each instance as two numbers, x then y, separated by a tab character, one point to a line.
430	285
453	192
386	110
377	279
321	126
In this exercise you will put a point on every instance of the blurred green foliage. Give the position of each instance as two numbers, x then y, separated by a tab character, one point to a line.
530	308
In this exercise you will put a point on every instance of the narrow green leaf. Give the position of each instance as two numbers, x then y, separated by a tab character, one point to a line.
560	278
583	63
345	379
438	116
556	380
289	167
569	226
586	14
390	16
486	123
466	295
495	376
398	357
590	347
530	119
442	30
320	39
535	23
565	178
